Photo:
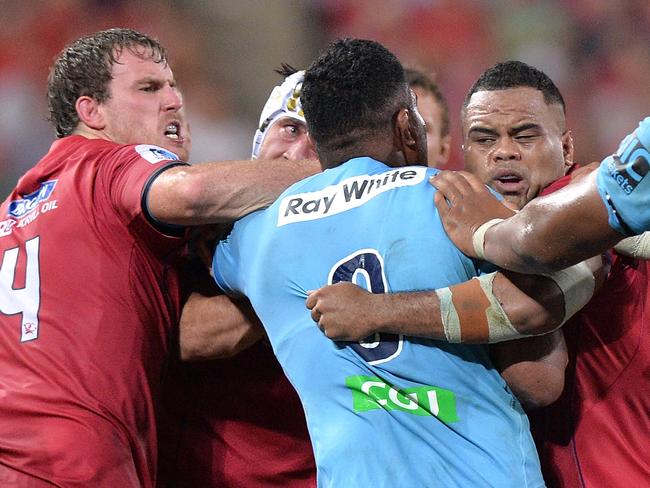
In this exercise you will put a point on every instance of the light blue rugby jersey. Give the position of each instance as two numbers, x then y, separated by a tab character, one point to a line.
624	184
392	412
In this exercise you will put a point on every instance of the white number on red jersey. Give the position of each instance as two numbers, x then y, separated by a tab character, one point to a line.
27	300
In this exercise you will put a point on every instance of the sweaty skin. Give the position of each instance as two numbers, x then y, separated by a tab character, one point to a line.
550	233
516	143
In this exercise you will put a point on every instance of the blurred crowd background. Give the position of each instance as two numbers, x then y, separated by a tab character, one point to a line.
223	53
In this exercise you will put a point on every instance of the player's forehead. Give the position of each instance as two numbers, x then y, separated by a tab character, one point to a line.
136	65
284	120
503	109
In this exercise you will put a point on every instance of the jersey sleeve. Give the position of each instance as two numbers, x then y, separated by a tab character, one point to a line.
127	176
226	267
623	183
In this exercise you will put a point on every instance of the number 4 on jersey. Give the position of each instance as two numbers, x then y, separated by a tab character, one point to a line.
27	300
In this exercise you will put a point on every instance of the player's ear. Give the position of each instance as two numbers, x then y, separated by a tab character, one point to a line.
405	135
90	113
312	144
412	136
445	150
567	148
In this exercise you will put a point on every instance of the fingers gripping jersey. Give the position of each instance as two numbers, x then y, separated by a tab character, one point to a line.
390	411
624	184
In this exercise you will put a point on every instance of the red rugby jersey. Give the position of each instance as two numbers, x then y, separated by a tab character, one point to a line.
596	434
238	423
87	300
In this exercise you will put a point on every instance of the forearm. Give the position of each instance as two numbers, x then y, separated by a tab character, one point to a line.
415	314
216	327
530	305
222	191
492	308
552	232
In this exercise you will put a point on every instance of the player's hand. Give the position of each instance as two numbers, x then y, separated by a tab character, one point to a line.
342	311
464	204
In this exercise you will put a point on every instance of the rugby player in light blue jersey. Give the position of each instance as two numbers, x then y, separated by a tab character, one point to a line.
390	411
582	219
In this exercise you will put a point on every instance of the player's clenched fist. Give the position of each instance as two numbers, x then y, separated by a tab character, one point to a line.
335	308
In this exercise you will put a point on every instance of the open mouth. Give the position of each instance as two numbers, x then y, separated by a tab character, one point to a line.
508	182
509	179
173	131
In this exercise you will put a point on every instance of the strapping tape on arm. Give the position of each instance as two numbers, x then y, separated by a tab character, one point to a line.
478	239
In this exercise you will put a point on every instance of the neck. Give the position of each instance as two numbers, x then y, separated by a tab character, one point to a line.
379	149
88	133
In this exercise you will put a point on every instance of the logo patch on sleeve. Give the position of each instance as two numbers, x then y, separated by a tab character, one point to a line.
155	154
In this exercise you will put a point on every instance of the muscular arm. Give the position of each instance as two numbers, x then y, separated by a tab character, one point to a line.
533	304
553	232
217	327
549	233
222	191
563	228
533	367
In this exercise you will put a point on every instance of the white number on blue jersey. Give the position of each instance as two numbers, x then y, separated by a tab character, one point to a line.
365	268
27	300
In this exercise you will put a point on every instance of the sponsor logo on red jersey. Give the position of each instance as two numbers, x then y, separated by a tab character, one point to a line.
26	205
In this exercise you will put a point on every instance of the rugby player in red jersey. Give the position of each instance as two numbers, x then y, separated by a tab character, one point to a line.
596	433
238	420
88	239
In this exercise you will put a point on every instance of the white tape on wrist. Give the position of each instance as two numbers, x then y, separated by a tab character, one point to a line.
577	284
449	315
478	239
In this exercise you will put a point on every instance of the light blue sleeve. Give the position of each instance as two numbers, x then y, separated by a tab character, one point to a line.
623	184
225	264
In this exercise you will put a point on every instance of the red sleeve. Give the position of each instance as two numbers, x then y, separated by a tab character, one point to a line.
126	174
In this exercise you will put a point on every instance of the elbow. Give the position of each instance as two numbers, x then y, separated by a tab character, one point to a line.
541	386
203	345
543	396
199	348
193	348
192	351
539	320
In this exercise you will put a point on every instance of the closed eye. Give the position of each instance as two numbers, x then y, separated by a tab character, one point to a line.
485	140
525	137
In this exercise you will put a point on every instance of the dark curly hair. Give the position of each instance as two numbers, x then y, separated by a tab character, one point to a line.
516	74
352	91
84	68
